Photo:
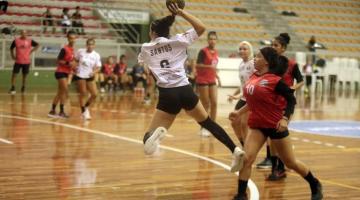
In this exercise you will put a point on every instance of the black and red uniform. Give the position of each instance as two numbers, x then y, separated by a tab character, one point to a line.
262	93
207	75
293	72
63	70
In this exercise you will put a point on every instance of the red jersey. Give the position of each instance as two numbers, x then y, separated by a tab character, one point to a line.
122	68
23	49
108	69
206	75
259	91
66	54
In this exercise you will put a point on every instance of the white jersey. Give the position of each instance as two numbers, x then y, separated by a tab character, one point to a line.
246	69
87	63
166	57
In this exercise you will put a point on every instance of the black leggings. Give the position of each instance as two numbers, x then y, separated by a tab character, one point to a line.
219	133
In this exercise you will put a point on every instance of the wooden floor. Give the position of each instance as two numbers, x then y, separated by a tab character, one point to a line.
42	158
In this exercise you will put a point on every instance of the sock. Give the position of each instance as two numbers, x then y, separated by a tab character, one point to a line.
146	136
218	132
61	108
53	107
268	151
82	109
273	163
102	84
242	185
87	104
281	166
313	182
242	143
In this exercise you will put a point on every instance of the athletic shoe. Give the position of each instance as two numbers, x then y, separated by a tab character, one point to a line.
102	90
276	175
238	197
22	89
319	194
12	90
52	114
86	114
63	115
204	132
238	160
152	140
265	164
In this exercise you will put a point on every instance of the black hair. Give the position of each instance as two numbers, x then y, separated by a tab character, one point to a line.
283	39
211	33
278	64
70	33
162	26
122	56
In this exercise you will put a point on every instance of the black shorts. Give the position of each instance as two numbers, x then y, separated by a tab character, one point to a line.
24	68
60	75
205	84
76	78
240	104
273	134
172	100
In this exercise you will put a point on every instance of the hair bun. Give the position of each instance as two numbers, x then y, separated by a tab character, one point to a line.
286	37
168	20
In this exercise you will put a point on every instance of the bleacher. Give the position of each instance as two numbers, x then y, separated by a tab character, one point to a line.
26	14
232	27
335	23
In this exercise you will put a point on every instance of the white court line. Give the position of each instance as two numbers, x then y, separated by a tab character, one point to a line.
6	141
254	192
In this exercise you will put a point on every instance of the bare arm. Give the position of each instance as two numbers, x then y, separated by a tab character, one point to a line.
194	21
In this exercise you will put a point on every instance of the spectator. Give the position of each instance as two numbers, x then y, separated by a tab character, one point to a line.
47	20
139	75
107	76
120	71
65	20
10	30
3	6
77	23
21	49
311	47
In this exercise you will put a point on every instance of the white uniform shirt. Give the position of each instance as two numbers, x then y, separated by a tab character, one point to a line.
246	69
87	62
166	57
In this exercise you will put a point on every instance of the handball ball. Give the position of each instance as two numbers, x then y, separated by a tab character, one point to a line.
36	73
180	3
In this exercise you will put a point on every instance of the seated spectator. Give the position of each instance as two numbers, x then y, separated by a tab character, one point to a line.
65	20
107	76
139	75
47	20
77	23
121	73
10	30
3	6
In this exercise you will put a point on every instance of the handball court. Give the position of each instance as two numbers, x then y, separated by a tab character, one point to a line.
44	158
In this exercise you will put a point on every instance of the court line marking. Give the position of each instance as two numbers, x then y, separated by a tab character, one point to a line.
254	192
6	141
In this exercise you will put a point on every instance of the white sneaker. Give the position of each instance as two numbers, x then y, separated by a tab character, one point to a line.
204	132
151	144
238	160
102	90
86	114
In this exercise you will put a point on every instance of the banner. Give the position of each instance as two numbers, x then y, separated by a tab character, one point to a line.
125	16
